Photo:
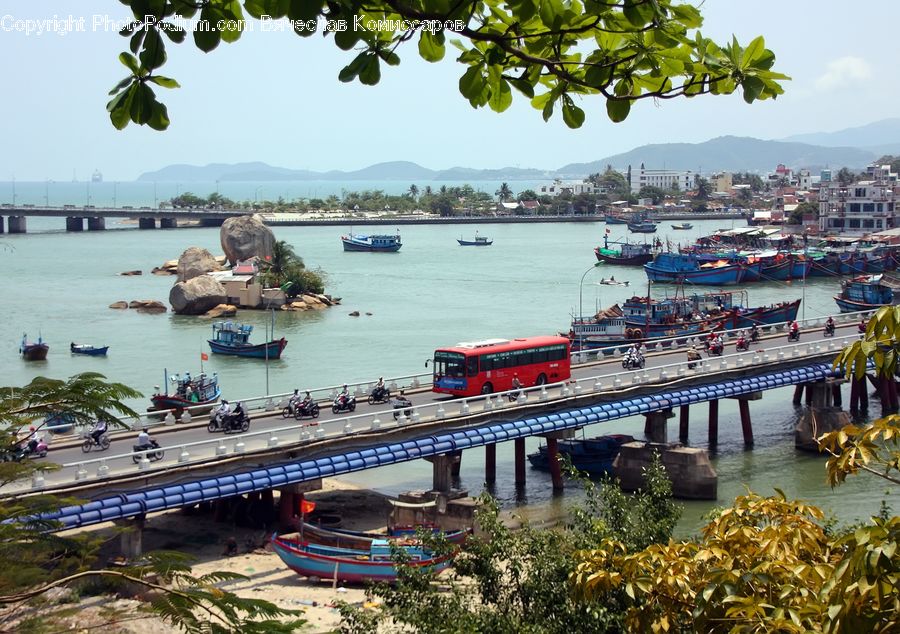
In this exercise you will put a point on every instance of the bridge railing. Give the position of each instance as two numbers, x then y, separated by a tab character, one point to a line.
307	431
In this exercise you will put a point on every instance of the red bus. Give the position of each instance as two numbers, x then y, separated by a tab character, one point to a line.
482	367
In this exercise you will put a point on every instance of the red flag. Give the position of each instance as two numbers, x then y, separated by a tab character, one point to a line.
204	356
306	506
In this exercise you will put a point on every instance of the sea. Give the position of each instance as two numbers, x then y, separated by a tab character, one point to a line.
432	293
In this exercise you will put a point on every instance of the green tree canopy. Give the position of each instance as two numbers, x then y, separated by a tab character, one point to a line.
550	52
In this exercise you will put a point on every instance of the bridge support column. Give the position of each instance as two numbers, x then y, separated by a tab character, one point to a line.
146	223
684	424
456	464
820	417
74	223
442	469
2	224
267	500
798	394
836	398
221	507
553	458
713	423
688	468
490	463
744	409
287	502
17	224
859	395
132	538
658	427
168	223
520	461
96	224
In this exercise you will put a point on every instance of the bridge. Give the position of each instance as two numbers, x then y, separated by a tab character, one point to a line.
94	218
283	455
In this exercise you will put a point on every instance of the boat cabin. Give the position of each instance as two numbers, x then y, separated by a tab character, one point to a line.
228	332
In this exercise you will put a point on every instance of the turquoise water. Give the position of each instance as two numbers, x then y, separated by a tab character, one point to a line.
431	293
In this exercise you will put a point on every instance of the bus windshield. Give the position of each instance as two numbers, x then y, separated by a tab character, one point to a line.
452	364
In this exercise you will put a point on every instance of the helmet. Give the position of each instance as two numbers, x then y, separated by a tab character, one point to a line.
144	429
296	391
381	378
31	428
224	402
345	385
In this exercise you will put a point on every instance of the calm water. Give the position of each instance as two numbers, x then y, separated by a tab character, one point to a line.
431	293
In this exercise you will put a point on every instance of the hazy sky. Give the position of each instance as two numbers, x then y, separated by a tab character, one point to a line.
275	97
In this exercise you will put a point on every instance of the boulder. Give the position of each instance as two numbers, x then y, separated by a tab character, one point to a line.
121	305
313	302
132	273
196	296
160	271
195	262
355	313
148	306
222	310
244	237
324	299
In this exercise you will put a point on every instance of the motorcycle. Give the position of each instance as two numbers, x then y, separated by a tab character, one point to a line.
311	409
89	443
379	395
291	409
399	404
236	423
341	404
152	456
742	345
715	349
693	360
217	421
829	330
754	336
633	361
20	453
793	335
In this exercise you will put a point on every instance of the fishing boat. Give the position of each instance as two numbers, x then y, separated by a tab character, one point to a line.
188	392
349	565
89	350
357	540
374	243
867	292
688	268
628	253
682	226
784	267
33	351
643	226
477	241
592	455
617	219
234	339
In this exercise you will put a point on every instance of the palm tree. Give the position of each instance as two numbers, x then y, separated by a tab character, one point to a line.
413	191
281	263
504	193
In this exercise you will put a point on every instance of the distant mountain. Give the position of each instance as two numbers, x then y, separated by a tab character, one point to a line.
728	153
877	133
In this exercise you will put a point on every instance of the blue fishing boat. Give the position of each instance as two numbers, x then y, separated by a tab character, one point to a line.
91	351
688	268
592	455
616	219
187	391
851	265
628	253
234	339
867	292
786	267
477	241
357	540
643	226
375	243
355	566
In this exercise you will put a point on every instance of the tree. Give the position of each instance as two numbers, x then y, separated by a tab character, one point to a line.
845	176
286	270
656	194
551	54
796	216
413	191
504	193
35	560
704	189
187	200
528	194
615	184
893	161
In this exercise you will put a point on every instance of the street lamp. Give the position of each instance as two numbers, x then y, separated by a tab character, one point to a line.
14	189
256	193
115	191
581	302
47	193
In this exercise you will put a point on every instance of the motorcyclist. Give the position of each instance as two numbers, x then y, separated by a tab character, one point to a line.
516	385
794	330
144	440
716	345
692	356
32	443
378	390
829	324
238	414
223	410
98	431
294	400
742	341
754	333
307	399
863	324
344	395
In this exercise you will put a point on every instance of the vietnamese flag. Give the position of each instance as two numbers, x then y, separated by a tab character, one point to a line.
307	506
204	356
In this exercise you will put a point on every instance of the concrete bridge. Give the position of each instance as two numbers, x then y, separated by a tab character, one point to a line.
288	456
79	218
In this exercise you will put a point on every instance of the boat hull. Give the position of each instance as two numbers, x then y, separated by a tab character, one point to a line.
363	541
765	315
592	455
636	260
35	351
719	276
271	350
90	351
472	243
850	306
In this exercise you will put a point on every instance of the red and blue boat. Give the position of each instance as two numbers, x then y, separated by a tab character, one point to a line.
234	339
678	268
350	565
784	267
375	244
188	391
358	540
867	292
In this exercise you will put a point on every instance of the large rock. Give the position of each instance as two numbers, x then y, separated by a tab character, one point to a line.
246	236
196	296
120	305
222	310
195	262
148	306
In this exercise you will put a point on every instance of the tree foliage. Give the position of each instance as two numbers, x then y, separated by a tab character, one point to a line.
550	52
286	270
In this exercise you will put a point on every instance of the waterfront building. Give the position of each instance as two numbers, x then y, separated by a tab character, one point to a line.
572	188
664	179
865	206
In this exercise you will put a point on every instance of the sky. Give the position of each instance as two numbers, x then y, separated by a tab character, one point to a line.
275	97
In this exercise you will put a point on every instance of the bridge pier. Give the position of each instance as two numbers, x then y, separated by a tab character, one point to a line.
2	224
684	424
442	471
131	541
657	426
146	223
168	223
688	468
490	463
859	395
17	224
820	417
553	459
96	224
744	409
74	223
520	461
211	222
713	423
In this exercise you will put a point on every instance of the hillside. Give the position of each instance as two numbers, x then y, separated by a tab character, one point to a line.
876	134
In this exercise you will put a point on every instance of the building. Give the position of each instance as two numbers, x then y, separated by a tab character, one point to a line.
866	206
572	188
722	182
664	179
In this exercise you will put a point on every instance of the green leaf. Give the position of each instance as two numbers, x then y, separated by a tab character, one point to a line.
618	110
752	88
119	107
130	62
573	116
351	71
165	82
207	39
472	83
154	54
501	96
159	119
175	33
370	73
754	50
142	104
122	84
431	46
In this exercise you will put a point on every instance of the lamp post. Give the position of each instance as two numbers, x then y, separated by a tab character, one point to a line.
47	193
581	297
256	193
115	192
14	189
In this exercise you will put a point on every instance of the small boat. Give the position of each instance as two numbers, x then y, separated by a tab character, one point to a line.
688	268
33	351
616	219
477	241
375	243
357	540
867	292
189	392
234	339
592	455
345	564
91	351
682	226
643	226
612	282
628	253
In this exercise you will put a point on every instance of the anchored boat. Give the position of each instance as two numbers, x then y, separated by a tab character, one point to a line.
33	351
592	455
188	392
867	292
374	243
89	350
477	241
234	339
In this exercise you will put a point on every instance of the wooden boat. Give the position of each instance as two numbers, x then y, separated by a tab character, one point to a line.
628	253
688	268
867	292
592	455
374	243
33	351
357	540
189	392
234	339
644	226
477	241
373	564
89	350
682	226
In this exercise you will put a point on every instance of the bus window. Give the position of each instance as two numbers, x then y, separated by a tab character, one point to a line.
450	364
472	366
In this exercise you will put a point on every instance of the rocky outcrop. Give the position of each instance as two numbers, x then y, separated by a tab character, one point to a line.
196	296
170	267
121	305
132	273
244	237
355	313
148	306
194	262
222	310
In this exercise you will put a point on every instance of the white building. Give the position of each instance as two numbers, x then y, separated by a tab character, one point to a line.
664	179
863	207
573	188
